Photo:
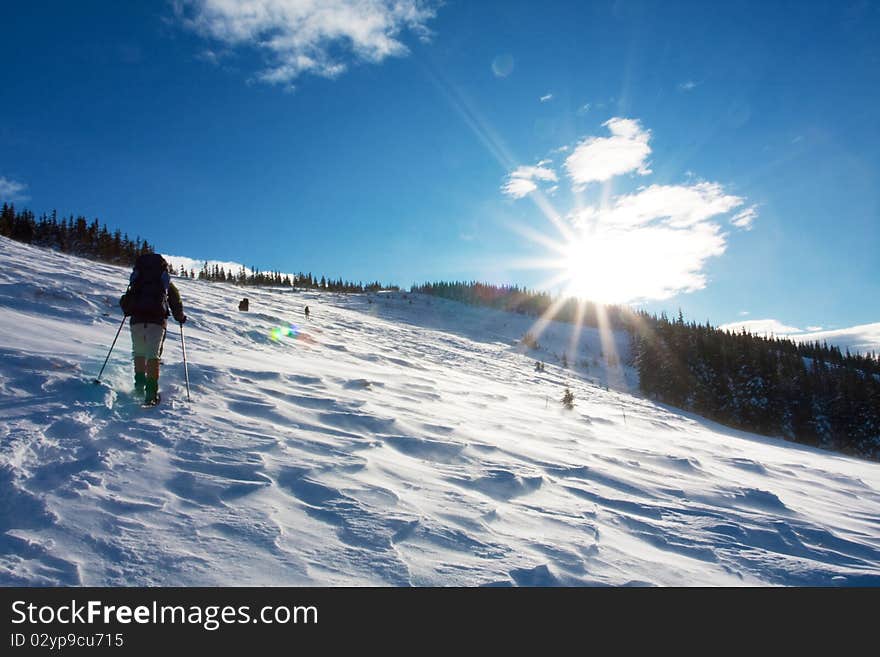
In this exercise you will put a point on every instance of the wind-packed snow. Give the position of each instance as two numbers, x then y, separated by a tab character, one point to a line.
389	440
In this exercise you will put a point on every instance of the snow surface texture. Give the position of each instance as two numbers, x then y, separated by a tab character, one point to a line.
383	443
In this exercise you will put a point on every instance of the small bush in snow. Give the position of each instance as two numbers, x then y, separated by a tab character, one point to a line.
568	399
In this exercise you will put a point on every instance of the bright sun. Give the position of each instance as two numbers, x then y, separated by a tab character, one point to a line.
601	270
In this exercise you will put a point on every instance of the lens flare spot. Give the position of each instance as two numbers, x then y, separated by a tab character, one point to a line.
279	332
502	65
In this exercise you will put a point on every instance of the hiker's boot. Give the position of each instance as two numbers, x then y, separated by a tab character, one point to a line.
140	382
151	392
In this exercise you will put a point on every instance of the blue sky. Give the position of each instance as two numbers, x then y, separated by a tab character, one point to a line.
718	157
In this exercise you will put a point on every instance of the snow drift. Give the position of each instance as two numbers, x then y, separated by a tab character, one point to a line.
390	440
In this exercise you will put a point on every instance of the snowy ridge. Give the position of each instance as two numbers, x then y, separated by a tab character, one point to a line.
383	443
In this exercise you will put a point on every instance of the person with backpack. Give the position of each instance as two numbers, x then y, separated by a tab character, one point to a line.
151	297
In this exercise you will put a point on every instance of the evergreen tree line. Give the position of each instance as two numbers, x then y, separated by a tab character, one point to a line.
93	240
521	300
255	277
71	235
807	392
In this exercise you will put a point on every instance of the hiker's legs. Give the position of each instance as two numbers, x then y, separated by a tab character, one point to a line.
153	368
147	341
138	351
140	373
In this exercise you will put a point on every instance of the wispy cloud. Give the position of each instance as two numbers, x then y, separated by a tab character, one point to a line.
761	327
521	181
210	56
518	187
597	159
688	85
583	109
745	218
12	191
309	36
545	98
744	313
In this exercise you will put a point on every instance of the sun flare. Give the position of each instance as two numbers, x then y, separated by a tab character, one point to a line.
602	268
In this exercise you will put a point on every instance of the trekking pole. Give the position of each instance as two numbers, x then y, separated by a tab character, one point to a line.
118	331
185	368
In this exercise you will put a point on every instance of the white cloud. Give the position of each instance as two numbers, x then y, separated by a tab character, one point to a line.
745	218
538	172
546	98
521	181
583	109
679	206
861	339
689	85
596	159
518	187
761	327
744	313
318	37
12	191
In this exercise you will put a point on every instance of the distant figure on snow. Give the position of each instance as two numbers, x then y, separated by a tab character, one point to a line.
243	305
307	312
150	298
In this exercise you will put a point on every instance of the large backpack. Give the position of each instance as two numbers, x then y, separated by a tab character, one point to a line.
148	288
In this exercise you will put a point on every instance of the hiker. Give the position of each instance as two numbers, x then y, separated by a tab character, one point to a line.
150	298
307	312
243	305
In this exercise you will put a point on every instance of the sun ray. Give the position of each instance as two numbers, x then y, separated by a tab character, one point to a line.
580	309
537	329
613	370
531	234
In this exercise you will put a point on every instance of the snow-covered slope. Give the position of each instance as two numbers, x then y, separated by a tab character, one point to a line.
382	442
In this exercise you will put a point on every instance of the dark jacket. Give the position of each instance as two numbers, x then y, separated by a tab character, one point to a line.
160	317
